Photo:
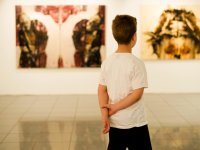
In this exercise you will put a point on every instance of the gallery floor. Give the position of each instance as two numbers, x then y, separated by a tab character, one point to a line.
72	122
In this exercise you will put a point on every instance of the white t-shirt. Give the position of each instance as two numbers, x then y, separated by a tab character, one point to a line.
122	73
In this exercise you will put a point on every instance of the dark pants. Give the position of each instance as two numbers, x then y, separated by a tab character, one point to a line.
136	138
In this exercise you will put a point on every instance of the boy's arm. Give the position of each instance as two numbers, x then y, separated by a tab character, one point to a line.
125	102
103	100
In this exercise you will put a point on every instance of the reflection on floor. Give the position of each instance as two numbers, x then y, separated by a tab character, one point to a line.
72	122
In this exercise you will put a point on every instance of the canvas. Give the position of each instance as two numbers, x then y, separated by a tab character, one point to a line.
60	36
170	32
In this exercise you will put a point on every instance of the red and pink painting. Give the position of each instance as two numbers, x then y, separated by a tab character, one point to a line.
63	36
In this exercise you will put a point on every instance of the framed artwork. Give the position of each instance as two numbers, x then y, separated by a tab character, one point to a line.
60	36
170	33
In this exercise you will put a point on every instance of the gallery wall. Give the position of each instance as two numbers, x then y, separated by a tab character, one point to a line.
165	76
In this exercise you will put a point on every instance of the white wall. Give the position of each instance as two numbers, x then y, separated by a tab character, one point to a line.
164	76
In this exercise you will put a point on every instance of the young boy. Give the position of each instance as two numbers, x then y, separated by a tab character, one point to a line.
122	82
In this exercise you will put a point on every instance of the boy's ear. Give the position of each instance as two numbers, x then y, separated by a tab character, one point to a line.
134	38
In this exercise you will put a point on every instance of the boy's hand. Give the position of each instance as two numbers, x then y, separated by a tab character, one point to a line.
106	125
111	108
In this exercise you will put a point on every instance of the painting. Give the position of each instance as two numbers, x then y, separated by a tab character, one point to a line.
170	32
60	36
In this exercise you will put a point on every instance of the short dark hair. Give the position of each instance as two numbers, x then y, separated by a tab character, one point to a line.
123	28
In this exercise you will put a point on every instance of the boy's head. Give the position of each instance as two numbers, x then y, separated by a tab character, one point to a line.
123	28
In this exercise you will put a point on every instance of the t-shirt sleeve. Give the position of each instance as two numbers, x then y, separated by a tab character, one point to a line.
139	79
102	75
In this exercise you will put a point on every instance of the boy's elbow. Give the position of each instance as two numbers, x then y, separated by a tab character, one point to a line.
139	93
102	89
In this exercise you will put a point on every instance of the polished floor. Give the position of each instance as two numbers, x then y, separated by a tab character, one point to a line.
72	122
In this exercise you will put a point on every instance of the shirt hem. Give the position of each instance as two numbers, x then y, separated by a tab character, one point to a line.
129	126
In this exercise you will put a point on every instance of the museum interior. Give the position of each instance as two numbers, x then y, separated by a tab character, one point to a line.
51	53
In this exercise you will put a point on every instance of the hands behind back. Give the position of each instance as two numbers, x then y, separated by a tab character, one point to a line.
106	125
112	108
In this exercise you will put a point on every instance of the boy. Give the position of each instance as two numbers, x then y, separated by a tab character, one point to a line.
122	82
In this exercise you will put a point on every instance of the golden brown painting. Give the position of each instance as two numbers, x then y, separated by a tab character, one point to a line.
170	33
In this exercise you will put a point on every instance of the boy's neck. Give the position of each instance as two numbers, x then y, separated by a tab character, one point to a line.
124	49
